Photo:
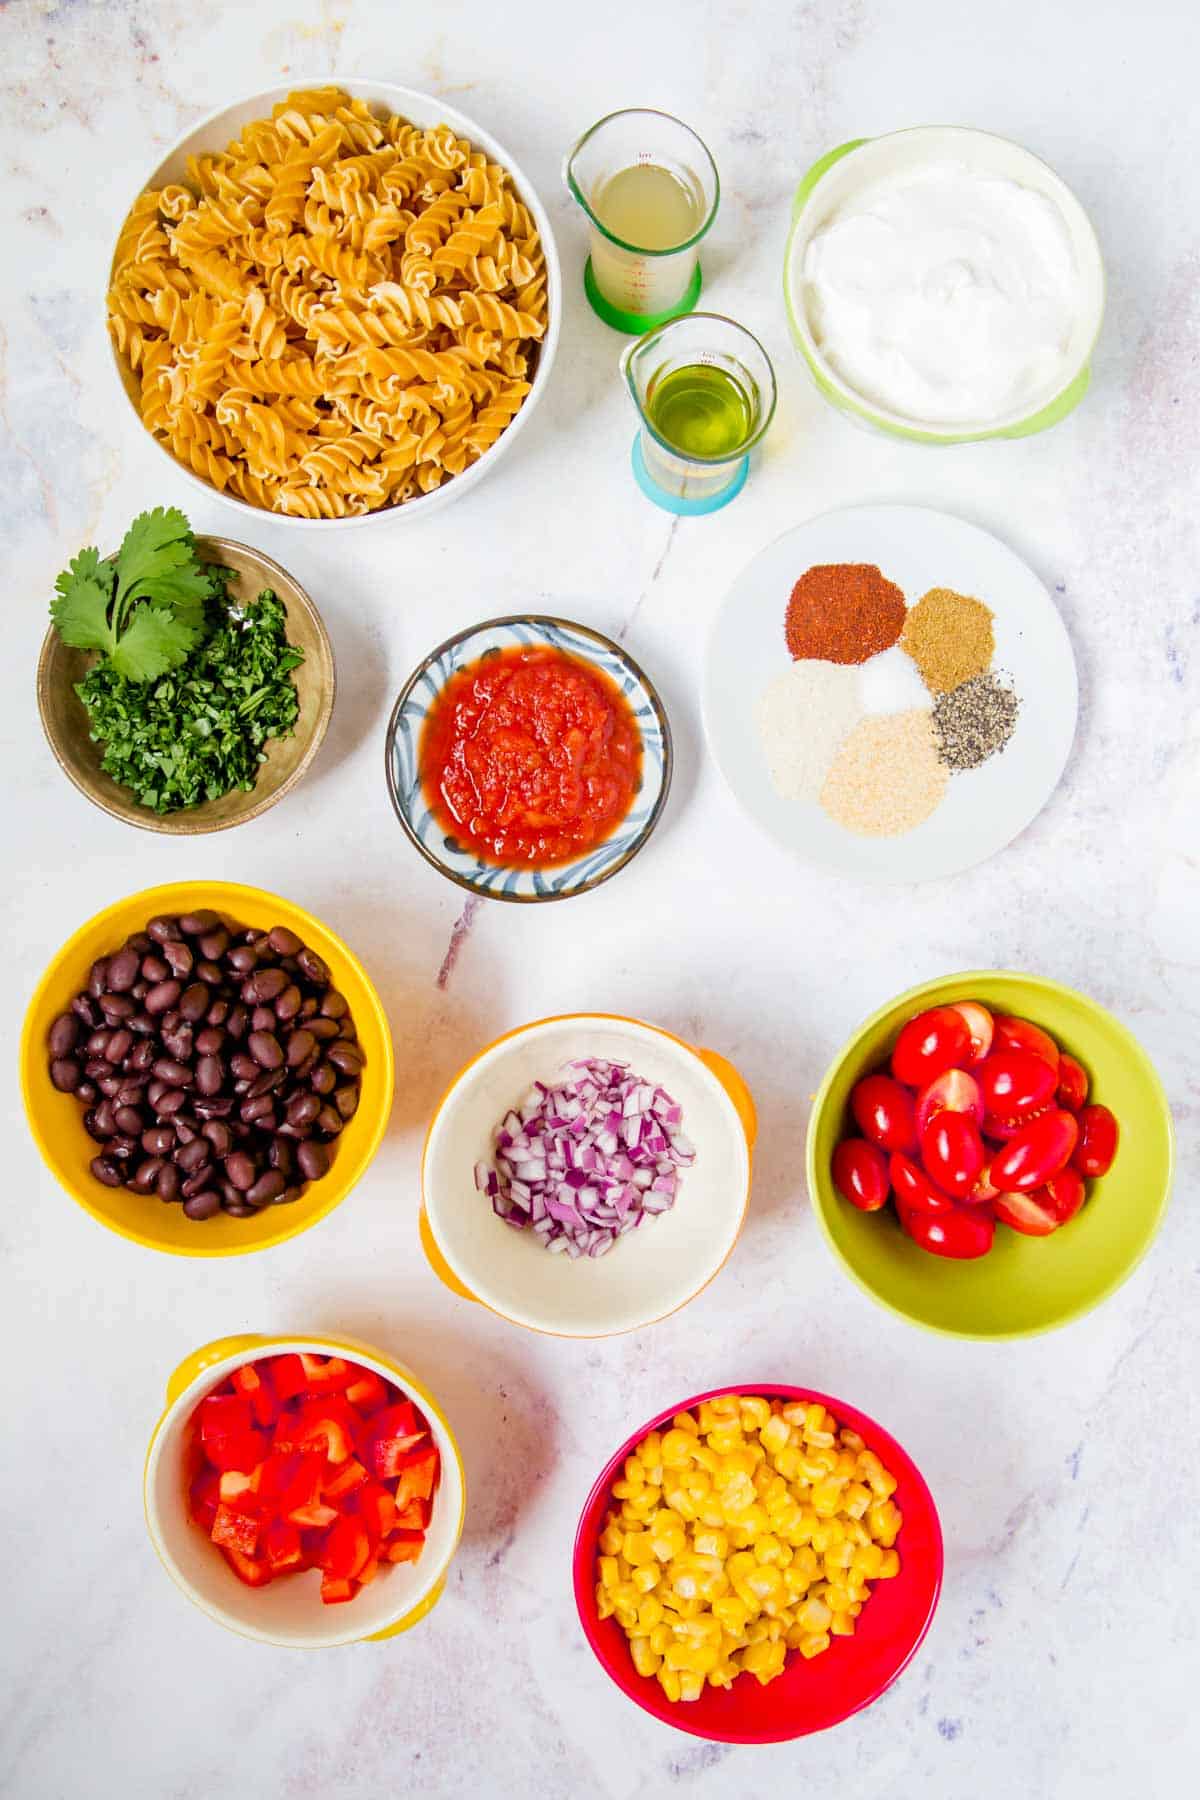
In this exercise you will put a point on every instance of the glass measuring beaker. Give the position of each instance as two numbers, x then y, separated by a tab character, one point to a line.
704	389
650	190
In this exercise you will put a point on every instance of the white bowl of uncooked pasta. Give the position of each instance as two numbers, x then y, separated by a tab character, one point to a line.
335	303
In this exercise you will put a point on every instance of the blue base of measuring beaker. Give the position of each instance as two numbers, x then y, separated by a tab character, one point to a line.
675	503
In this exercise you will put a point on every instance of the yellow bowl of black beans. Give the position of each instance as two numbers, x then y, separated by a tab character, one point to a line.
207	1068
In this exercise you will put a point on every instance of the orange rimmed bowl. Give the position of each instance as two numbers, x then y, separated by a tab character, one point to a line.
650	1273
56	1120
809	1695
290	1611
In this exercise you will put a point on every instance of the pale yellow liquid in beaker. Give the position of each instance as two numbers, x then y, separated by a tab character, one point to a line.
649	207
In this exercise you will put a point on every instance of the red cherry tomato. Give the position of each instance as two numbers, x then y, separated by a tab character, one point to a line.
1015	1082
964	1231
983	1193
1030	1214
1036	1153
883	1112
933	1041
860	1174
1072	1083
978	1021
952	1151
953	1091
1000	1130
1065	1193
913	1188
1019	1034
1099	1135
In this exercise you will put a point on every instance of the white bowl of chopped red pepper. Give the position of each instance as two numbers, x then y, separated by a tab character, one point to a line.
586	1175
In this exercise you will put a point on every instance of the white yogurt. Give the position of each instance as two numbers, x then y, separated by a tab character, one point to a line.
946	295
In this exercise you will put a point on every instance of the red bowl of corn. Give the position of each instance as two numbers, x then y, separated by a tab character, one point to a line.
820	1685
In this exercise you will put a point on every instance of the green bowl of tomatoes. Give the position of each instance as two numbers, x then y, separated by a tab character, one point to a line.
990	1155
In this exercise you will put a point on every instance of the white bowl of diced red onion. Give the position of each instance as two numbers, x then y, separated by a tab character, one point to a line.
587	1175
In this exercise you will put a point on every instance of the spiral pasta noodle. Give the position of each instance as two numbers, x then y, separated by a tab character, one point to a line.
335	314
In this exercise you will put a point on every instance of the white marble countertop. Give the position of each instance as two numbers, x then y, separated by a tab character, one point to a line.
1063	1660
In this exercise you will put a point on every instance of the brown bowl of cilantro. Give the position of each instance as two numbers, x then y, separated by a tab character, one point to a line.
186	682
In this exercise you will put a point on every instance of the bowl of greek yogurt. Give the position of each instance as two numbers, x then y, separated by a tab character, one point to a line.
944	285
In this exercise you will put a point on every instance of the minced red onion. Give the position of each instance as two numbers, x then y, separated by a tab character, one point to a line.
584	1162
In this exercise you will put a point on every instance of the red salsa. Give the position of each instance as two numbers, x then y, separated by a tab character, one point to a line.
530	757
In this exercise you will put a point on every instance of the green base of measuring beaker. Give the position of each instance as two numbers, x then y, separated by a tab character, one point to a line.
637	324
676	503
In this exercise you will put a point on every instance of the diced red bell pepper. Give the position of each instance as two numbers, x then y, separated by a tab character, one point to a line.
376	1509
227	1433
313	1516
327	1422
368	1393
255	1574
415	1516
303	1488
241	1491
405	1546
287	1376
235	1530
254	1381
204	1496
417	1479
326	1374
275	1475
281	1546
347	1548
334	1591
368	1572
349	1478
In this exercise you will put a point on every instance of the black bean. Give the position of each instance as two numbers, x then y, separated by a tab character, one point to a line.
209	1041
170	1102
110	1084
210	1073
142	1024
213	945
105	1170
120	1043
86	1092
193	1002
323	1079
218	1135
300	1045
312	965
268	1187
179	959
179	1043
264	985
344	1057
97	1043
132	1090
258	1111
193	1156
97	978
147	1175
308	1007
323	1029
263	1019
85	1008
195	924
163	995
329	1121
302	1111
140	989
162	928
140	941
105	1116
281	1156
210	972
66	1074
284	942
123	1148
334	1005
237	1021
185	1131
167	1184
288	1003
243	1066
346	1100
155	968
96	1067
175	1074
236	1209
117	1008
265	1048
158	1140
203	1206
217	1108
288	1195
239	1167
346	1030
91	1125
129	1120
313	1159
243	960
141	1056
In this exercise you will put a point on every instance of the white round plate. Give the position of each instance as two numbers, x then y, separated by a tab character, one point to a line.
917	548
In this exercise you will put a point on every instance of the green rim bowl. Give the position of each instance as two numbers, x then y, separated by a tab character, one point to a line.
1024	1285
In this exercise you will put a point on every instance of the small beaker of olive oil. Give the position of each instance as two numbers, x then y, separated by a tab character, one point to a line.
704	389
650	191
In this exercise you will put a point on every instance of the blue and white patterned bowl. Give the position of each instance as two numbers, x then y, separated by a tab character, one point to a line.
496	881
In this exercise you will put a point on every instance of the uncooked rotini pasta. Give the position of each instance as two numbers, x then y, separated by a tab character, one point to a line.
335	314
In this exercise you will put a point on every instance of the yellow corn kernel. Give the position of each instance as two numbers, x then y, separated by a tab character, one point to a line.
753	1412
856	1499
643	1505
732	1613
758	1631
611	1538
719	1411
814	1616
723	1439
691	1685
650	1614
846	1465
837	1558
889	1566
660	1636
677	1449
764	1660
837	1599
856	1532
775	1435
669	1682
827	1497
677	1499
645	1580
872	1471
737	1495
828	1534
722	1676
604	1603
787	1462
768	1549
813	1646
850	1440
710	1543
884	1521
685	1422
608	1570
766	1584
626	1617
842	1625
645	1661
868	1559
637	1549
649	1451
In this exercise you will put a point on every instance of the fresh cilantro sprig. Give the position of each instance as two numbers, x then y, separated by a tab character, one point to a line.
144	609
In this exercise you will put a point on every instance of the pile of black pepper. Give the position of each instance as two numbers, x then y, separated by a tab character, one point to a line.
974	721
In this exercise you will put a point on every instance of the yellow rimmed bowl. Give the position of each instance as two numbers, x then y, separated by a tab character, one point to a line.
652	1272
290	1612
56	1120
1024	1285
286	759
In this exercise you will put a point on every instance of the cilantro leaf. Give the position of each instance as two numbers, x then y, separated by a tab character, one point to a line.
156	542
81	609
156	640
